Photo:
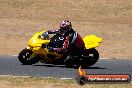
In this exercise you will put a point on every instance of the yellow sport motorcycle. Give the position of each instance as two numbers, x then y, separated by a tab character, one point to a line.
37	51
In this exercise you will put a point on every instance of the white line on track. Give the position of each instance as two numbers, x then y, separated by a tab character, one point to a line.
34	76
66	78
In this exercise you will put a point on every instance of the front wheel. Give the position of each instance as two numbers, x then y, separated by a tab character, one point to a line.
26	57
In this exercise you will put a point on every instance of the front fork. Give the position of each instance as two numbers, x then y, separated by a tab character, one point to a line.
33	54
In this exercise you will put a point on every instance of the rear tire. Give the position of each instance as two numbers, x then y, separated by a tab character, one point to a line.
69	62
92	57
24	57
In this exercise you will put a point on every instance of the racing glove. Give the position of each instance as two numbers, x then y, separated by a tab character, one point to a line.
46	35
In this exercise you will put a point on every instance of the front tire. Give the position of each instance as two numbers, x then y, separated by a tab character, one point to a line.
25	57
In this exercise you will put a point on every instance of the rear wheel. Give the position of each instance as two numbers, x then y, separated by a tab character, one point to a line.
69	62
26	57
91	56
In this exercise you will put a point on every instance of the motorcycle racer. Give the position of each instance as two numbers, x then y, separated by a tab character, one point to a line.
65	46
72	40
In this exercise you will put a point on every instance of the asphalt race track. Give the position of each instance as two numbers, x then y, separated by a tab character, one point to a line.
9	65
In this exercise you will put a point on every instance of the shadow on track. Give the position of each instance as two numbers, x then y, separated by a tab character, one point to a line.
63	66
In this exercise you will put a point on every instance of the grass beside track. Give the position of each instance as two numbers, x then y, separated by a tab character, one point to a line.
42	82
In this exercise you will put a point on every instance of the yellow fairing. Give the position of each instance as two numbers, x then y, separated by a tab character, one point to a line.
44	52
35	44
92	41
